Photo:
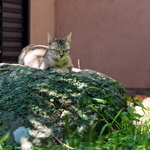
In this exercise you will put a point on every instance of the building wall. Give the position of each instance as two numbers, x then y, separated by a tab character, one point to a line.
42	20
112	37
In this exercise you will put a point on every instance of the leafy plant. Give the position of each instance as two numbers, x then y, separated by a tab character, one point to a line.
89	111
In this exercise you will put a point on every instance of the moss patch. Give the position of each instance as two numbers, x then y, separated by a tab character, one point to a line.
58	100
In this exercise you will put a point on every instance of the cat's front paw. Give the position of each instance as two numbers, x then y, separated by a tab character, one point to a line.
58	70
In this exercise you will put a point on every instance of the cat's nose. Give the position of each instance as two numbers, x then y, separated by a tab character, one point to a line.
61	55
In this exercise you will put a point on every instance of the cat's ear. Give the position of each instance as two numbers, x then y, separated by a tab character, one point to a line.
50	38
68	38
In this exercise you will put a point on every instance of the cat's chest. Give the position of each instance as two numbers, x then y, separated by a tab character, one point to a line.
56	63
61	63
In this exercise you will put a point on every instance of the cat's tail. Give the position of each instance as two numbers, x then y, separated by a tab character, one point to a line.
20	61
21	57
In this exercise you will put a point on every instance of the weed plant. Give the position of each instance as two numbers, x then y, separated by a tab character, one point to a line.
127	136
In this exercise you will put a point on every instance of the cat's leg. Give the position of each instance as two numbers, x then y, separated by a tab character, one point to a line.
70	68
42	64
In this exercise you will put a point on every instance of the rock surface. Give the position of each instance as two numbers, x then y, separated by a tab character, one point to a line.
49	106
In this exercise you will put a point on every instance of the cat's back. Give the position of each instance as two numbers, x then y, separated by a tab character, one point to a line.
37	49
32	51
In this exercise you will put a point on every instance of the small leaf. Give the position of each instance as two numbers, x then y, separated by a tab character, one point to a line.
101	100
139	104
4	138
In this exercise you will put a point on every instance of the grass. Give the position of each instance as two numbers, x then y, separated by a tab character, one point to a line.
123	136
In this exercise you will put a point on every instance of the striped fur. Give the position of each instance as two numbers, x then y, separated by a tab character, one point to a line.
55	55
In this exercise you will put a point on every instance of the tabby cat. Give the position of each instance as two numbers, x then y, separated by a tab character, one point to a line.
53	56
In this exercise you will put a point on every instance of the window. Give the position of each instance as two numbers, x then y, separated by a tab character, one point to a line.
13	29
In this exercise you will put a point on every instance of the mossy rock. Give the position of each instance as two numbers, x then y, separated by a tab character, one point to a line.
62	103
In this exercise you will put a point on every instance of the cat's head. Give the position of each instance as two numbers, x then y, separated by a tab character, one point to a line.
59	47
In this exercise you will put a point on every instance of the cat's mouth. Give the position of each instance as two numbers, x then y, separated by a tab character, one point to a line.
61	56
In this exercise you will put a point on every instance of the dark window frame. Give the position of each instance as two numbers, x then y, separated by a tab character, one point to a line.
24	30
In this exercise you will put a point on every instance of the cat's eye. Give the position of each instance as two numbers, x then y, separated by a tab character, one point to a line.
55	50
65	51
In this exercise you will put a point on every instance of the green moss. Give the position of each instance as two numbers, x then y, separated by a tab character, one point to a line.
27	91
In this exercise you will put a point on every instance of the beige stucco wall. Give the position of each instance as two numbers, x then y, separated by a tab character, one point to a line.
111	36
42	20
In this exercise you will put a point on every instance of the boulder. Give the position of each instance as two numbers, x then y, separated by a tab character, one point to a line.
40	107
